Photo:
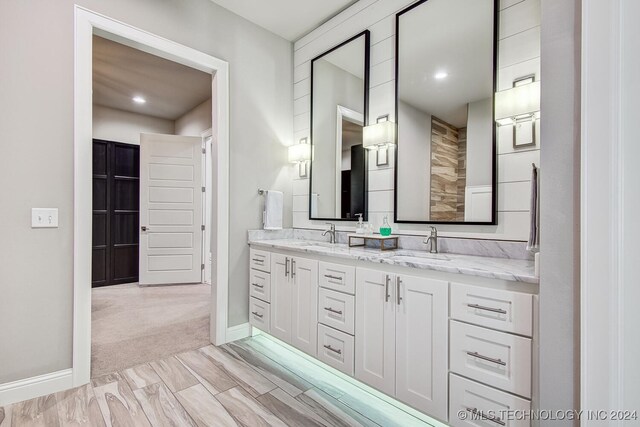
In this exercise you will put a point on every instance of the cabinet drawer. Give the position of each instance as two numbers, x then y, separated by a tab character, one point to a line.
337	310
497	309
260	285
337	277
260	260
335	348
495	358
259	314
482	405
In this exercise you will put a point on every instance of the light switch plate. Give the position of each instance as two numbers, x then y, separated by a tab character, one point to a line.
44	218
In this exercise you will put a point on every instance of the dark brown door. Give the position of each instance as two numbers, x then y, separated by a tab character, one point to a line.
116	200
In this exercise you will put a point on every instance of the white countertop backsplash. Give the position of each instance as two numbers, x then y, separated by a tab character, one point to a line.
487	259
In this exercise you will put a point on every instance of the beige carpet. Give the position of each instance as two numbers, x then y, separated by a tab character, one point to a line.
133	324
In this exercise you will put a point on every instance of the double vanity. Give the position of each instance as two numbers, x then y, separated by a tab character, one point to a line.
441	333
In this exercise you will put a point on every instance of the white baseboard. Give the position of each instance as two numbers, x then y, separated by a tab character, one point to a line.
238	332
29	388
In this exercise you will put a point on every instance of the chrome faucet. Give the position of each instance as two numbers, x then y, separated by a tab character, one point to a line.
331	231
432	240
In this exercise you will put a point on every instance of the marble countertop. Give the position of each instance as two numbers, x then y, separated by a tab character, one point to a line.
495	268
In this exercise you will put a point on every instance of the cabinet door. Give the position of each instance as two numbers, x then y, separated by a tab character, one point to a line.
422	343
304	333
375	329
281	291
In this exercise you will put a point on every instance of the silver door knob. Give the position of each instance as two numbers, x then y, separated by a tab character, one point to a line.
144	228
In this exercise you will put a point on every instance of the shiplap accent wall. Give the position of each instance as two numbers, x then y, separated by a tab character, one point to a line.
518	55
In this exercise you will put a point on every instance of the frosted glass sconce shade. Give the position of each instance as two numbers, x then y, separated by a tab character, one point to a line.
519	101
379	135
299	153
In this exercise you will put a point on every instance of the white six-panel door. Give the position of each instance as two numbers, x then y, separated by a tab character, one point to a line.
422	344
375	329
304	334
170	209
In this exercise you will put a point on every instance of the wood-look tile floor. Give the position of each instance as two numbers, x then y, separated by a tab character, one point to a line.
252	382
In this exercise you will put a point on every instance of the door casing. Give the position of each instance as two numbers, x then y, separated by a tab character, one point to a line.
88	23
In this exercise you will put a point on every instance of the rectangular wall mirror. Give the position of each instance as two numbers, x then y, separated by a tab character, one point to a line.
339	109
446	79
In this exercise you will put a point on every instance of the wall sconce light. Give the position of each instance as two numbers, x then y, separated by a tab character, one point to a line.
379	137
519	107
300	154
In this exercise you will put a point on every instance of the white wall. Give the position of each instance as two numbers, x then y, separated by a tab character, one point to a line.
196	121
333	87
415	154
519	55
479	139
560	213
123	126
36	127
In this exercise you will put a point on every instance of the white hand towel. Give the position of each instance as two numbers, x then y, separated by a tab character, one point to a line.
273	210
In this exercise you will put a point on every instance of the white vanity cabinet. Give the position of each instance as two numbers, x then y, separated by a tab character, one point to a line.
491	354
260	289
294	297
437	341
401	337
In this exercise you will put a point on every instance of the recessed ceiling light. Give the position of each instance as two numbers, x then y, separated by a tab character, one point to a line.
440	75
139	100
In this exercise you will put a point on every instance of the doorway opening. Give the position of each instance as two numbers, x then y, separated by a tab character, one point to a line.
149	207
182	188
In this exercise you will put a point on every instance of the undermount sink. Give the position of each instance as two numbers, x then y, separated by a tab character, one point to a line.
314	243
417	256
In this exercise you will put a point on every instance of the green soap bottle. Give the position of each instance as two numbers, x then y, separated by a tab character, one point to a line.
385	229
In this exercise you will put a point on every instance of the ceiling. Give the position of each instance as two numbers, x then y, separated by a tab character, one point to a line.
121	72
454	37
290	19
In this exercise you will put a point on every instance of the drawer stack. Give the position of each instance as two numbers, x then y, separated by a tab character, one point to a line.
490	354
260	289
336	316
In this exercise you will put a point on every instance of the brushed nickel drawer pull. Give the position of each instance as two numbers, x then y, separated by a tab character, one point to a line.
487	417
329	276
261	261
333	311
258	285
293	268
398	283
255	313
493	310
328	347
488	359
386	288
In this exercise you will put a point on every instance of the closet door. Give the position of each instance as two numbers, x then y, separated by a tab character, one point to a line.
116	171
375	329
304	273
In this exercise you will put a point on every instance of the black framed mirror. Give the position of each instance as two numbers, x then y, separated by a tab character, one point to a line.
446	72
339	112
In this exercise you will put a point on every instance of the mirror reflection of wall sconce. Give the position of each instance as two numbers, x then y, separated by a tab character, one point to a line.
520	107
300	154
380	137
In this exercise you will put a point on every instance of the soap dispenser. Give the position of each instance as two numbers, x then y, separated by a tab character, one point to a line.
360	226
385	229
